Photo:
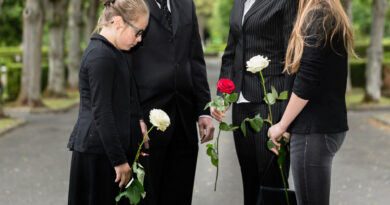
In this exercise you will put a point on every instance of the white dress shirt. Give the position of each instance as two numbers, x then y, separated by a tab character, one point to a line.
168	4
248	5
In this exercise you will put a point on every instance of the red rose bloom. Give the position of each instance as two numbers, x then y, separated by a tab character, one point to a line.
225	86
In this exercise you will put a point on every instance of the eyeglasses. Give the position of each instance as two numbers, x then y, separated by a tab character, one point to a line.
139	33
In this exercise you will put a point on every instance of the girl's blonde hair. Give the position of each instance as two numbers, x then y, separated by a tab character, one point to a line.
130	10
333	21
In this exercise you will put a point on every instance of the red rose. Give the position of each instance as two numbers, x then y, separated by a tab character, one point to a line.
225	86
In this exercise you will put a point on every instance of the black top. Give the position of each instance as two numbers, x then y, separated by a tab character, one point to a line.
170	70
265	30
108	104
322	79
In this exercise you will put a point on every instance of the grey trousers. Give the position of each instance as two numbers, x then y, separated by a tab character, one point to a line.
311	165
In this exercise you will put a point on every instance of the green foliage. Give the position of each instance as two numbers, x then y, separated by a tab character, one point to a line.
14	73
256	124
11	22
219	23
362	18
204	7
134	193
212	152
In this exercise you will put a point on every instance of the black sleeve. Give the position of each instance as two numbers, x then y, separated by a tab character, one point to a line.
313	60
198	69
101	73
228	58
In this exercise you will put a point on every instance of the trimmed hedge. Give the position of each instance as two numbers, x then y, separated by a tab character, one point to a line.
14	74
358	71
361	49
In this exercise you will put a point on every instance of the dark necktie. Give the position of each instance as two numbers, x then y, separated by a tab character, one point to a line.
165	11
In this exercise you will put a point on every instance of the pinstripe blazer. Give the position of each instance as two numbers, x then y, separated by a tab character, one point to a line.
265	31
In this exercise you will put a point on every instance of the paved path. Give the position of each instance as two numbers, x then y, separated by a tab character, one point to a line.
34	163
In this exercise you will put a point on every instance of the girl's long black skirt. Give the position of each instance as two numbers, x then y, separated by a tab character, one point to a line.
92	180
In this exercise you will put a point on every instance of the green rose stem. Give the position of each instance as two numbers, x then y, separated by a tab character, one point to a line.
265	93
138	153
140	146
271	122
216	177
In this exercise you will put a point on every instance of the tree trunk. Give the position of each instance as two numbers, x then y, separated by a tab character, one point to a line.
1	3
74	55
91	19
57	17
348	5
33	23
375	52
201	25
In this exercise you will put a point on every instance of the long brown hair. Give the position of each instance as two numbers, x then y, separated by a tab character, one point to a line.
127	9
333	14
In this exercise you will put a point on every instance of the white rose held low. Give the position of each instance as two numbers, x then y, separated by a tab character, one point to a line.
159	119
257	64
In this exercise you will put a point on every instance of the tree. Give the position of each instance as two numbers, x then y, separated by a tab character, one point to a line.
57	19
204	10
220	21
74	55
11	22
375	52
34	18
92	15
348	5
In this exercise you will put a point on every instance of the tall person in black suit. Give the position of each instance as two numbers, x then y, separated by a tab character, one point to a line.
171	75
257	27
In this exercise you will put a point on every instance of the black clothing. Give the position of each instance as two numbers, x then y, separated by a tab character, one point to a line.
92	181
107	131
103	125
266	30
171	75
322	79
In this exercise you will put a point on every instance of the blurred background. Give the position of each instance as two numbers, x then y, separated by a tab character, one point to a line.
41	43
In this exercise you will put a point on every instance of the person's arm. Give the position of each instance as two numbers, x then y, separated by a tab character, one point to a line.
101	73
198	68
306	83
199	78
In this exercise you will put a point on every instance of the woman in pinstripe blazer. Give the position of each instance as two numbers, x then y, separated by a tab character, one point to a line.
257	27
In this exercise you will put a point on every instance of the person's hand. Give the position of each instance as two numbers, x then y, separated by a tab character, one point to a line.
206	129
144	130
274	133
123	174
218	115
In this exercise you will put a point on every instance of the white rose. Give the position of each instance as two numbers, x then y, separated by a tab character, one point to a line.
257	64
159	119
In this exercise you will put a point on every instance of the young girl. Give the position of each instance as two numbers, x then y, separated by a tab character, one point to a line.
316	115
108	120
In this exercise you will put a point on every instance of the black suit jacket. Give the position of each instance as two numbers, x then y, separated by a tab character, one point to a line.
108	120
170	69
266	30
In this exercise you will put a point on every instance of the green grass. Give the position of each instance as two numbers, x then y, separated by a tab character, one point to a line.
58	103
355	98
5	122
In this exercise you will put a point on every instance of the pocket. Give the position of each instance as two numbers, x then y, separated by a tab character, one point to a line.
334	141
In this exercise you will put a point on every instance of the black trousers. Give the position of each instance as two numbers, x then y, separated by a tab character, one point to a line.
253	154
92	181
170	170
